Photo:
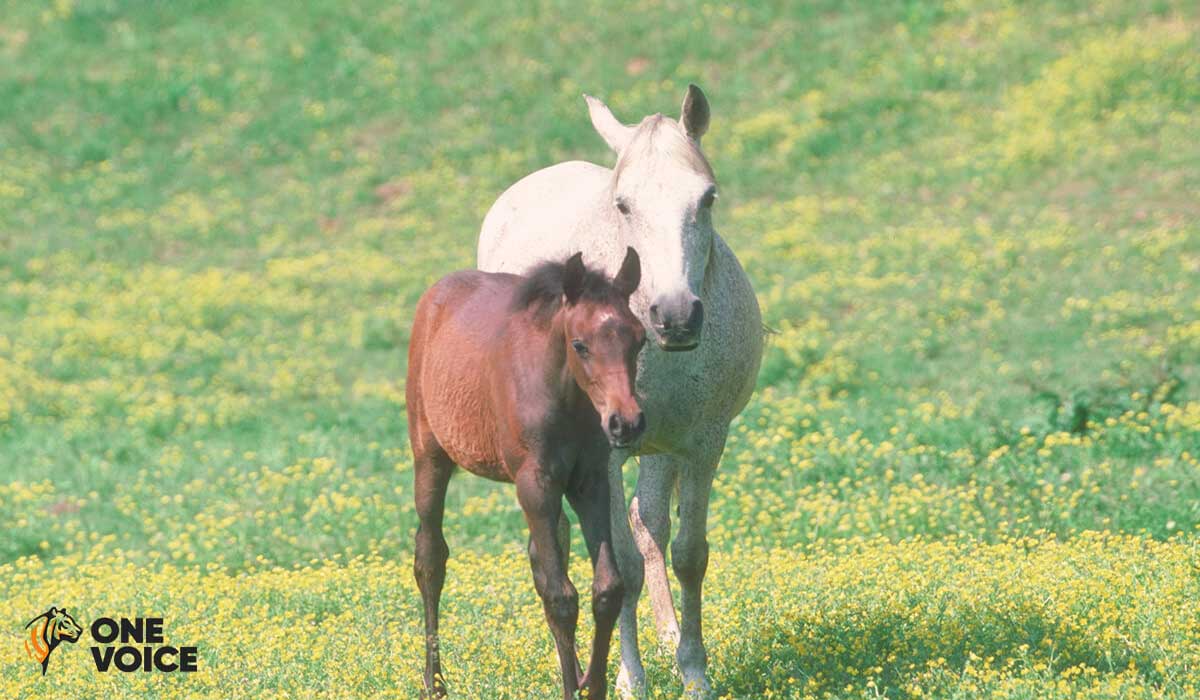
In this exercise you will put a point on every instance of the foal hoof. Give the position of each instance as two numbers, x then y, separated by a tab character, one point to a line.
436	692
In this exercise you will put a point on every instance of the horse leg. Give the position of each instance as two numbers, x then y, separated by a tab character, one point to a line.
631	678
432	471
689	558
591	504
542	504
650	515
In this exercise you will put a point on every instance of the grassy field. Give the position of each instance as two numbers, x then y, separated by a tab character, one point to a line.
972	465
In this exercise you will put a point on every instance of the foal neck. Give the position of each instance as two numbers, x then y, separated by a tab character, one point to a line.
559	380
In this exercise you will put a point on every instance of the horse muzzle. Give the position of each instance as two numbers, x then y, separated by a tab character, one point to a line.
677	321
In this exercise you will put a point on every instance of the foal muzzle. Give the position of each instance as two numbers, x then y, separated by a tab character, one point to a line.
624	431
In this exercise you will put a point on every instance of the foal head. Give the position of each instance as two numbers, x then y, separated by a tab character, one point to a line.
602	336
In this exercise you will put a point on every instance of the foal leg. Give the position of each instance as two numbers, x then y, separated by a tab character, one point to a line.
650	515
590	502
689	557
542	503
563	537
631	678
432	471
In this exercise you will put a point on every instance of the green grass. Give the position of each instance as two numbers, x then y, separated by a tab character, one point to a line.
973	226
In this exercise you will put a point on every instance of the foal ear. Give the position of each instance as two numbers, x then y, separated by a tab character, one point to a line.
694	114
614	133
630	275
573	274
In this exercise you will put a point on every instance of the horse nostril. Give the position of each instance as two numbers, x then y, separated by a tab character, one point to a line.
654	317
696	318
614	424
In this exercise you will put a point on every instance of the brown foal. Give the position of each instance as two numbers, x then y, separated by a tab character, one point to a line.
528	380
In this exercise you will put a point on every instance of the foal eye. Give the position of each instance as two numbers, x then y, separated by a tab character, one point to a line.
580	348
710	196
622	205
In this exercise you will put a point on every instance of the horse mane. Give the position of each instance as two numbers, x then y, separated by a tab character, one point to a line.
658	135
542	289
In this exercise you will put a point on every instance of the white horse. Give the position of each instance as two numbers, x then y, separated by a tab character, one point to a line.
698	306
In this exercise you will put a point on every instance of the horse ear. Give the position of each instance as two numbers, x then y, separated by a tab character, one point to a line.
630	275
694	114
614	133
573	274
52	611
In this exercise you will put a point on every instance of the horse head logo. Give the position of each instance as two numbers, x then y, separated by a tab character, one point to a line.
47	631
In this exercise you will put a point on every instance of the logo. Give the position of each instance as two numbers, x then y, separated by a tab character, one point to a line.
47	631
129	645
144	631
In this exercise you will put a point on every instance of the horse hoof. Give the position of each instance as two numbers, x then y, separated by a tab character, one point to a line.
668	638
697	688
630	688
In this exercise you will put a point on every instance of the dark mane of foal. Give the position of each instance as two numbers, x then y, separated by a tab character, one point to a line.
542	289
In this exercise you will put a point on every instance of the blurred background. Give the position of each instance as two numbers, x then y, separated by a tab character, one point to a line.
973	227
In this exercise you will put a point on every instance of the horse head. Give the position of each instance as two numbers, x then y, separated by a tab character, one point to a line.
662	191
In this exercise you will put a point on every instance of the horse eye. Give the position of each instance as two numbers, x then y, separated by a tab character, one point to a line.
622	205
709	198
580	348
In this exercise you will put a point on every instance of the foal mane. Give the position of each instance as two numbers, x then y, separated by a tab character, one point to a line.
542	289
